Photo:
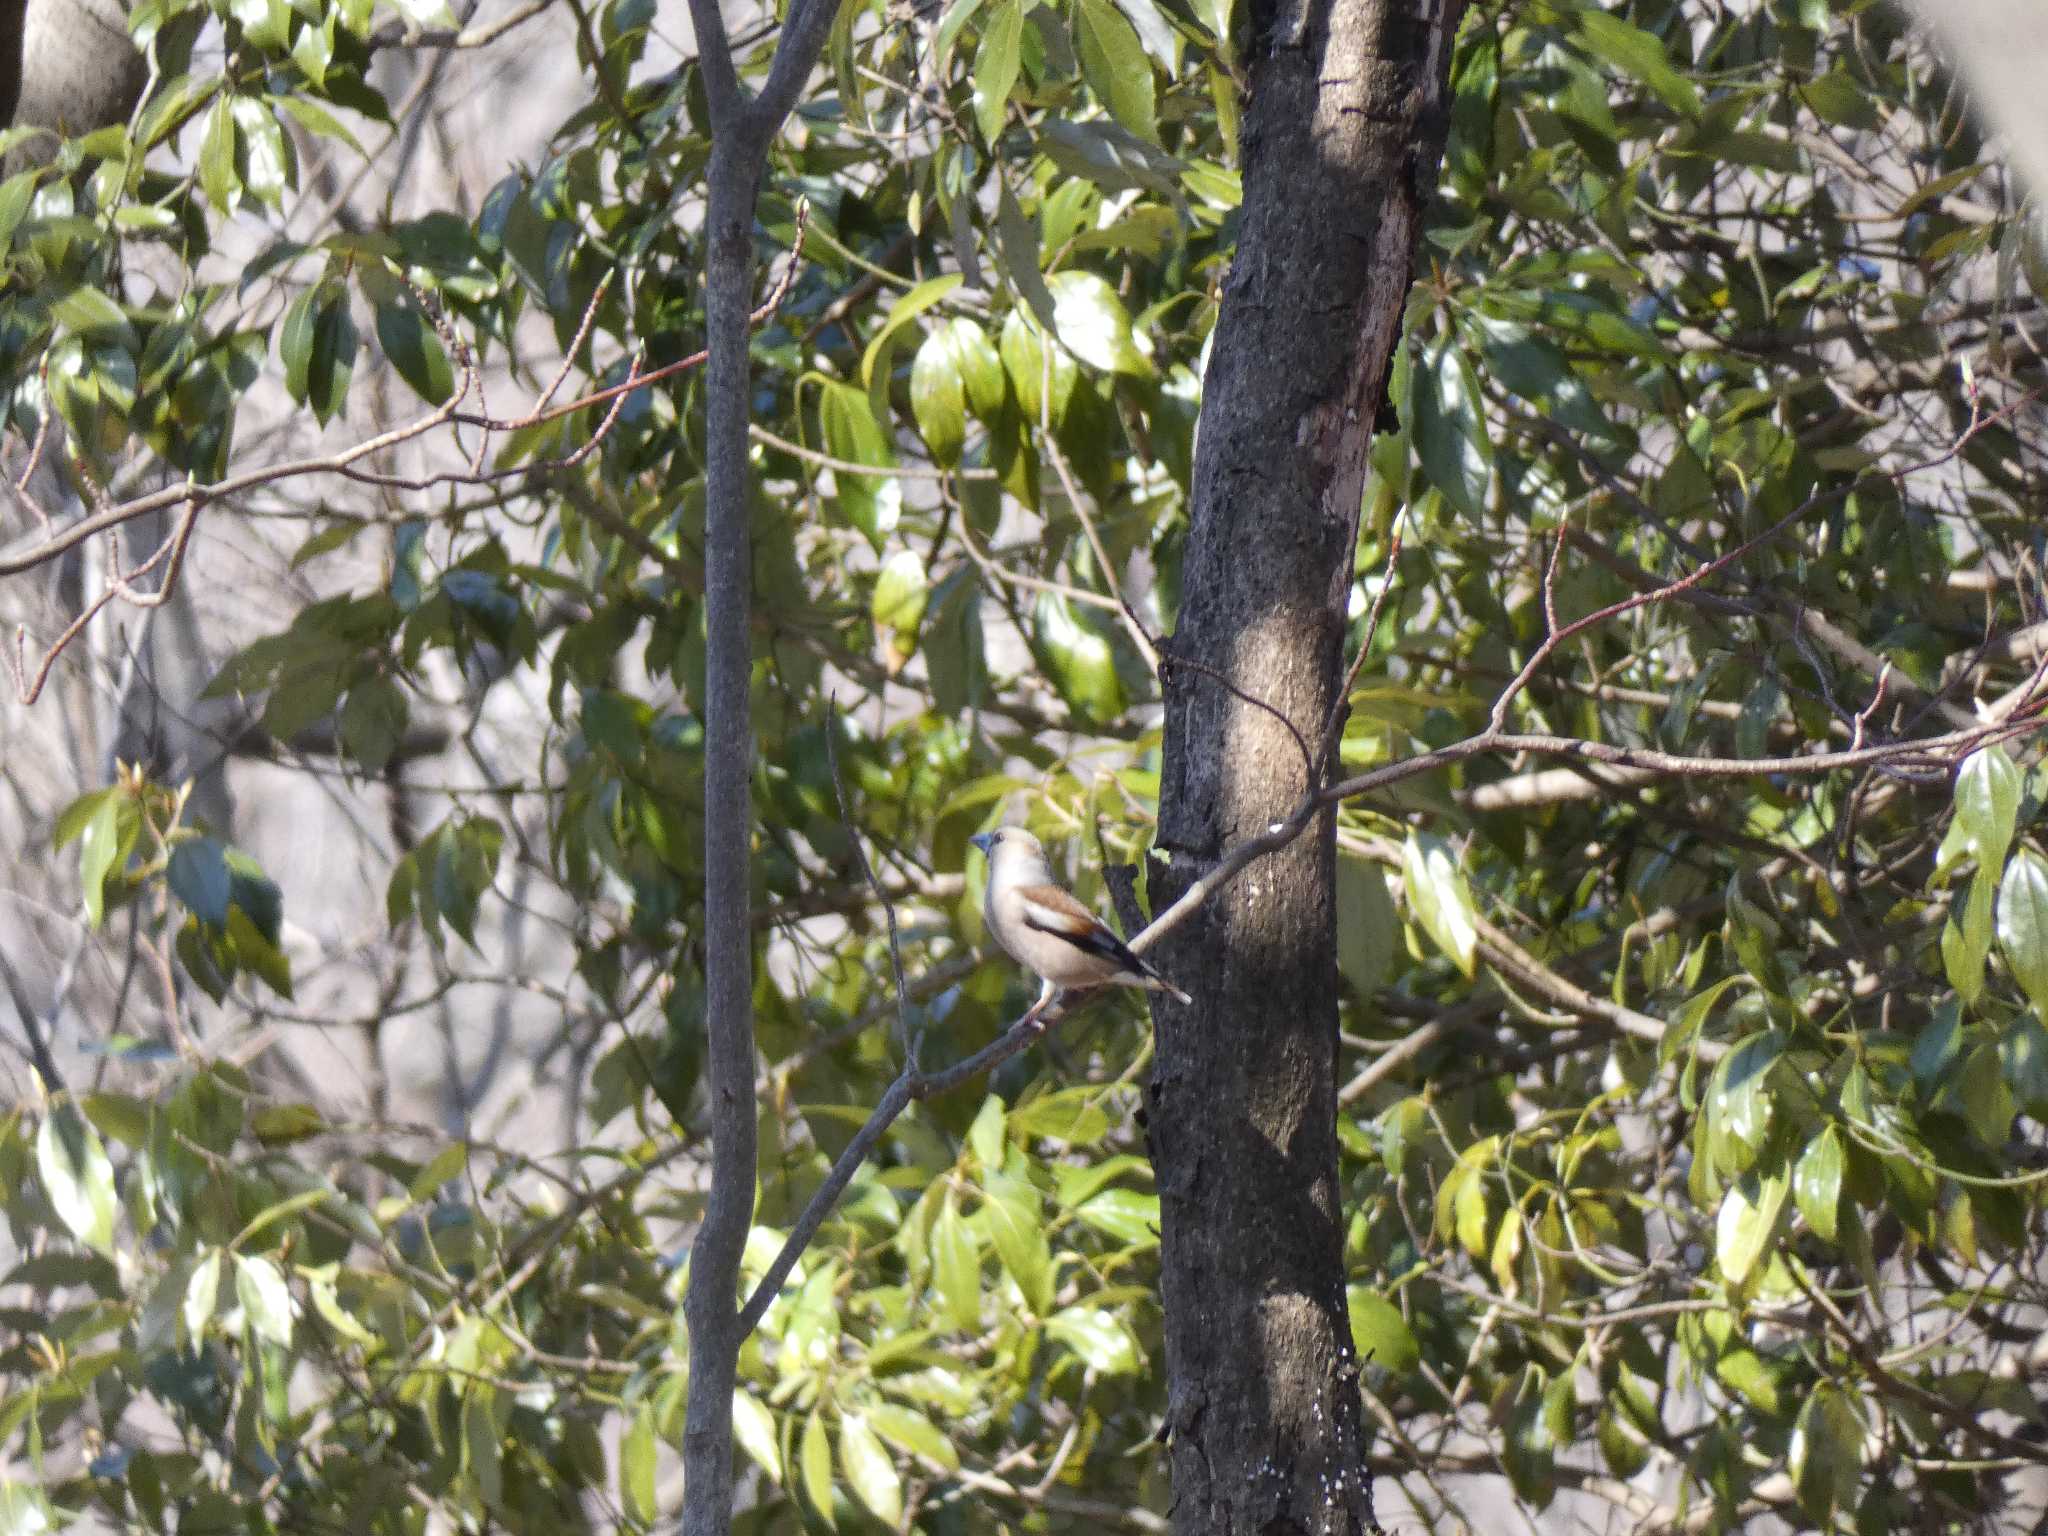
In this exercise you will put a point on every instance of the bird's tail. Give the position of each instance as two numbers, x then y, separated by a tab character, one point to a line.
1154	982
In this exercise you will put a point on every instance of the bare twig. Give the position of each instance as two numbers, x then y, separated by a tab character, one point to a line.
108	515
911	1046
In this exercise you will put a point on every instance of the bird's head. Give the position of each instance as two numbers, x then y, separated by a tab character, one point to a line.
1013	853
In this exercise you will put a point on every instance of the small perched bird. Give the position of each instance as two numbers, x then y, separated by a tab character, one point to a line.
1046	930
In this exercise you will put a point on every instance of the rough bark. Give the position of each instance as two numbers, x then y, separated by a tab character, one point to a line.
1342	133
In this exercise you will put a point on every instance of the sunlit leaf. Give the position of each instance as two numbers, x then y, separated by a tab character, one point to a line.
869	1471
78	1178
1439	899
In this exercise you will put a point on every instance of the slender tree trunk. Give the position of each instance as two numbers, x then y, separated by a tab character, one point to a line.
1343	130
743	127
710	1310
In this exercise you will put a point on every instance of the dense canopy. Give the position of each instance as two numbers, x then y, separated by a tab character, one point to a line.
1693	912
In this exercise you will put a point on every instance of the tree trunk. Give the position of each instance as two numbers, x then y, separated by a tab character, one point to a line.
1343	129
65	65
710	1311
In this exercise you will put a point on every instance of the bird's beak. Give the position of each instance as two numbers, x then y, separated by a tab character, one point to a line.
984	841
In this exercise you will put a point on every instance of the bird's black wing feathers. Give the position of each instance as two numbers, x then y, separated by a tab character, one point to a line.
1052	910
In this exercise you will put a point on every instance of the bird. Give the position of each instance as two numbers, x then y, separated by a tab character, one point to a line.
1045	929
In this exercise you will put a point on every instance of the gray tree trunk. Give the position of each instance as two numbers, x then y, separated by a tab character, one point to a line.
66	65
1343	129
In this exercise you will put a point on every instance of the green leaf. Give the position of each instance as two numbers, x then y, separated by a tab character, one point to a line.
282	1124
901	313
414	349
103	849
313	50
1010	1218
1632	51
1093	324
317	120
938	398
317	344
897	606
1740	1103
17	192
1115	65
869	1470
265	1299
2023	925
1528	1439
1094	1334
444	1165
202	1295
754	1427
872	503
1073	1116
1451	441
77	816
1987	802
995	65
217	175
1439	897
911	1431
987	1136
1826	1454
92	315
956	1269
814	1460
1127	1215
1751	1209
636	1465
327	1302
1744	1373
1937	1044
373	721
1817	1183
77	1177
1078	659
1368	928
198	876
1966	943
1380	1333
264	158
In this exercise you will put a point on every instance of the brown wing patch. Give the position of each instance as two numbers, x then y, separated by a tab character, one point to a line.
1055	911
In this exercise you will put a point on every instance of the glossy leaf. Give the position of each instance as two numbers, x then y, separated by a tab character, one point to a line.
1091	320
996	63
869	1471
78	1178
1097	1337
1439	898
1450	434
1751	1213
1380	1333
872	503
265	1299
1817	1183
1826	1454
1115	65
2023	925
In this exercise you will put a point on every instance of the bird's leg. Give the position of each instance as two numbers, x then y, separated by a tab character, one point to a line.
1047	992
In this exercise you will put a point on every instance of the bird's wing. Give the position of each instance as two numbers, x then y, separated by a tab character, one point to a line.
1052	910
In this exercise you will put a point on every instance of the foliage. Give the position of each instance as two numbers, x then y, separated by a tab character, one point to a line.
1690	1120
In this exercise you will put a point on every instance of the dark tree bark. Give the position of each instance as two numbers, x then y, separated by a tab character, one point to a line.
1342	134
13	16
